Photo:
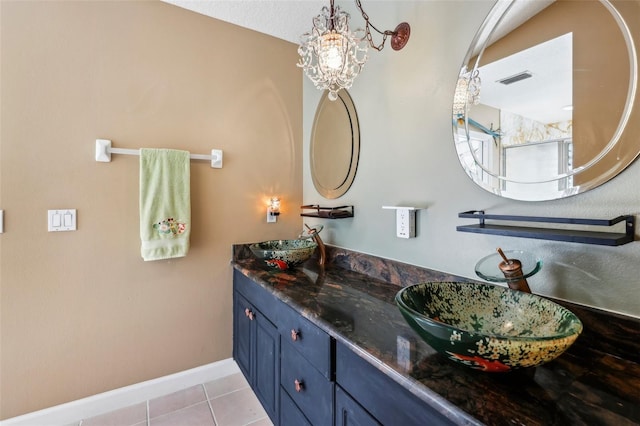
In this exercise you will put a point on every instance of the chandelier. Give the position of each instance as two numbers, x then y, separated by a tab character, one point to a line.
467	92
332	56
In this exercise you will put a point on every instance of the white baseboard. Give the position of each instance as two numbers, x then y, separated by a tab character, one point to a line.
95	405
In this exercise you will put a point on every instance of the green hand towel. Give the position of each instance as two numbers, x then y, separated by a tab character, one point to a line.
165	203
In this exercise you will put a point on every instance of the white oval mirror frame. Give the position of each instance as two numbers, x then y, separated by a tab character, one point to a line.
611	146
335	145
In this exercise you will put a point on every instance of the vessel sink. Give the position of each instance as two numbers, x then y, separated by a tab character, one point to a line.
488	327
284	254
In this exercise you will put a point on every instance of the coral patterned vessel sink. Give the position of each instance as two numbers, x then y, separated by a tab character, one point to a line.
487	327
284	254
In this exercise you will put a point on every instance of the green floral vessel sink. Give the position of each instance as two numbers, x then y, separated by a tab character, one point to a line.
284	254
487	327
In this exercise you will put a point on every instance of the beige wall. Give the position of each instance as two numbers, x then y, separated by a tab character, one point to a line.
81	312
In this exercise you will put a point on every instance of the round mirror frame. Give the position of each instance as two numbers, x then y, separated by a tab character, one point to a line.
619	152
324	121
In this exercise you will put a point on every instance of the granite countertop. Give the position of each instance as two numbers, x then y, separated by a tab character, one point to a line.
596	382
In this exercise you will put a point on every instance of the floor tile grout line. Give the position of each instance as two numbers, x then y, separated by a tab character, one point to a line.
176	411
257	420
208	400
230	392
206	395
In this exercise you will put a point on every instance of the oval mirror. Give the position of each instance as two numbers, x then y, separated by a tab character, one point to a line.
335	145
544	105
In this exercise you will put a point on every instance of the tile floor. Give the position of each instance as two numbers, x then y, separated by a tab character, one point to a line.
228	401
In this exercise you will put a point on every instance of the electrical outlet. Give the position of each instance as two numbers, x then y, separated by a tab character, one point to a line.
405	220
405	223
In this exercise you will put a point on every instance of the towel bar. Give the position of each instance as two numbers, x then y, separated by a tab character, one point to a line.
104	151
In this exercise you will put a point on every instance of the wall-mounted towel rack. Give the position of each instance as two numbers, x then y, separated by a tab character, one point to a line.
554	234
104	151
341	212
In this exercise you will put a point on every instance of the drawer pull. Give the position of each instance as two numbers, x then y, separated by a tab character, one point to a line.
299	385
294	334
249	314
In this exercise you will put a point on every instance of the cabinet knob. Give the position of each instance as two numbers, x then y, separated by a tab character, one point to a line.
299	385
249	314
294	334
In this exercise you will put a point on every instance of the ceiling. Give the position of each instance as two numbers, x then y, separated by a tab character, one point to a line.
284	19
542	97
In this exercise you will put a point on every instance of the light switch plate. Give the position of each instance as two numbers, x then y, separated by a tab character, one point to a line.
61	220
1	221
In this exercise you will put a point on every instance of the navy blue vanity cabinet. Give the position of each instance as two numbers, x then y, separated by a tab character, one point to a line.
305	377
378	395
311	391
307	366
290	414
350	413
314	344
256	341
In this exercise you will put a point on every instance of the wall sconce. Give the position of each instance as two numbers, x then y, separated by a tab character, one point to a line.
273	210
332	56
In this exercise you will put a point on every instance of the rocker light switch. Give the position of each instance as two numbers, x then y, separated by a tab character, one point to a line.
62	220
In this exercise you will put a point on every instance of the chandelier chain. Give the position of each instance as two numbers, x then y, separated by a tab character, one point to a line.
368	24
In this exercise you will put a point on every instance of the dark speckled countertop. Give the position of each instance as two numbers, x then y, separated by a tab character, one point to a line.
596	382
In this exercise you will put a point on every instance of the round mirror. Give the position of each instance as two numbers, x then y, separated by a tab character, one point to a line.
544	105
335	145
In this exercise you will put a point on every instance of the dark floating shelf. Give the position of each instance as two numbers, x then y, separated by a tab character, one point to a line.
340	212
570	235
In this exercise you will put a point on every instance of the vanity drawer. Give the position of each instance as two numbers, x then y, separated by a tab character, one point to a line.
310	390
264	301
386	400
290	414
313	343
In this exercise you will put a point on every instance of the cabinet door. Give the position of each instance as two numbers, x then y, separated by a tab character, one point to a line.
267	365
243	334
350	413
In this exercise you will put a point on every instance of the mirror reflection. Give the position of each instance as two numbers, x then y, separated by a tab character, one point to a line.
335	145
544	97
